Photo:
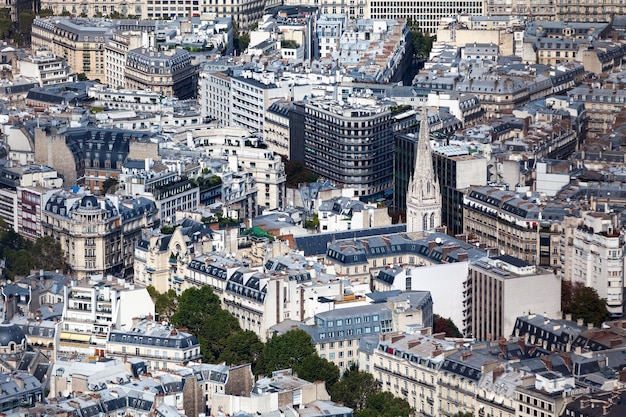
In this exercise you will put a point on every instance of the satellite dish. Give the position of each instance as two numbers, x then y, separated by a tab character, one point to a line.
501	251
438	240
66	393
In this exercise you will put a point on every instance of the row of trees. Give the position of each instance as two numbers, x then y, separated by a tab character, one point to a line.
22	256
222	340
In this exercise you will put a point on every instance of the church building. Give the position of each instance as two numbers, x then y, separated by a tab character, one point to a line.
423	200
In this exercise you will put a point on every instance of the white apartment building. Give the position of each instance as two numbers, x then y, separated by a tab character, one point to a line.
329	28
238	100
262	297
214	97
136	100
160	346
342	214
244	154
444	281
595	248
94	307
115	52
250	99
46	68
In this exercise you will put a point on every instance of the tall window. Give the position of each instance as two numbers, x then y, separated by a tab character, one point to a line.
432	220
425	222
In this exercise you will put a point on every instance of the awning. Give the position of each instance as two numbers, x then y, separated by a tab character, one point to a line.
75	337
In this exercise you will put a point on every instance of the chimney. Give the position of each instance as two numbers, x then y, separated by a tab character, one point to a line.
584	402
580	322
497	373
431	245
413	343
445	251
503	347
568	317
567	358
462	256
546	361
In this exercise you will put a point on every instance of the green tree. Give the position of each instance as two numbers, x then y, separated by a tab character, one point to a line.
385	404
285	351
353	388
18	38
241	347
25	25
199	311
22	255
297	173
422	41
109	185
241	40
82	77
46	12
313	368
5	22
445	325
48	254
164	303
586	304
464	414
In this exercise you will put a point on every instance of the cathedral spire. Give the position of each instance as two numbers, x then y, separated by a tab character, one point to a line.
423	203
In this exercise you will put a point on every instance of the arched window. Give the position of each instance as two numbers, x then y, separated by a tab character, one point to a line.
425	222
432	220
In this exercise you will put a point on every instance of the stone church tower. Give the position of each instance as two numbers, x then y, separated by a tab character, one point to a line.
423	199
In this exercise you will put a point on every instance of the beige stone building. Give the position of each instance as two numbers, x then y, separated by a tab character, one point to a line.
97	234
169	72
406	365
161	260
79	42
564	11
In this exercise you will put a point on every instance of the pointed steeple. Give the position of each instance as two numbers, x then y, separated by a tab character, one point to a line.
423	203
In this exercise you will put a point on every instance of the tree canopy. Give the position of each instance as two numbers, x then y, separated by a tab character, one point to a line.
164	303
353	388
583	303
285	351
23	256
445	325
384	404
199	310
297	173
422	41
